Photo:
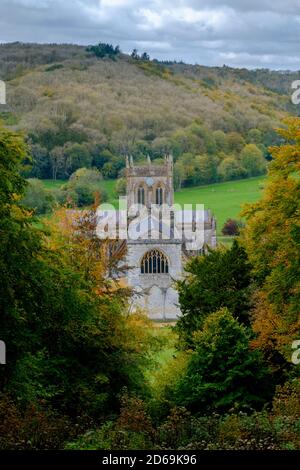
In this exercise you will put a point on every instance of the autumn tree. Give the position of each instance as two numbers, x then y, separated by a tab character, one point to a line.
230	168
82	187
62	316
205	169
235	142
272	241
252	160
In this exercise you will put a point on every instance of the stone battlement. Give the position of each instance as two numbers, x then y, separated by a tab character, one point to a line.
145	170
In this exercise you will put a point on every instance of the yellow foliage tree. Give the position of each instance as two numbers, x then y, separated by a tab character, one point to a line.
101	262
272	240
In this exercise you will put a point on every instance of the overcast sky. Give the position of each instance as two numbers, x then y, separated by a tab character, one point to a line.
239	33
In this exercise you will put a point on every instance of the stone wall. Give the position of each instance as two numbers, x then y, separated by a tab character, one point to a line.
155	292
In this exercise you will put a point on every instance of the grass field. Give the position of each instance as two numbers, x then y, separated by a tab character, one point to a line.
108	185
53	184
161	356
225	200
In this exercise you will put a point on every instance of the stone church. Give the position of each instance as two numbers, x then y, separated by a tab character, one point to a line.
158	249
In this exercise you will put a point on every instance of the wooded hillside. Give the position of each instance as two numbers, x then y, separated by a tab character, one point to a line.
80	110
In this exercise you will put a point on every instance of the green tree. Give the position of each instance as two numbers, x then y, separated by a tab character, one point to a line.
254	136
102	50
76	156
252	160
40	163
57	162
134	54
112	168
223	371
205	169
145	56
161	146
37	197
218	279
101	156
220	140
230	168
188	168
83	186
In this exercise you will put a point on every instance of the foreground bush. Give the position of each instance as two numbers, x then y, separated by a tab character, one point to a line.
69	343
223	372
277	429
34	427
131	430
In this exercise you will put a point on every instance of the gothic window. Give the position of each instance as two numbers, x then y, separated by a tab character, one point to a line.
154	262
159	196
141	195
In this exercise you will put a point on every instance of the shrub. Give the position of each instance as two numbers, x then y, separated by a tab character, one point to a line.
277	429
286	414
132	429
176	429
232	227
33	428
133	415
109	437
37	197
83	187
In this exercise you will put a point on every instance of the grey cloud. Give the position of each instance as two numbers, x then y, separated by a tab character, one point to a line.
252	33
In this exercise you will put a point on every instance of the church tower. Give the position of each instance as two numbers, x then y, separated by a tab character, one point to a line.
150	184
153	262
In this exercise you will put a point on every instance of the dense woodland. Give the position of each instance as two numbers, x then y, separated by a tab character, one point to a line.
83	374
89	107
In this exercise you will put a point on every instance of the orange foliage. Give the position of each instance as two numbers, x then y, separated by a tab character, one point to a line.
272	242
73	232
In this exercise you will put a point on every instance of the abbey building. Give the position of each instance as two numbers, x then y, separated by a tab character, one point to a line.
163	237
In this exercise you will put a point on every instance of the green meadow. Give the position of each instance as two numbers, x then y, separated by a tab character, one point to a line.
225	200
108	185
